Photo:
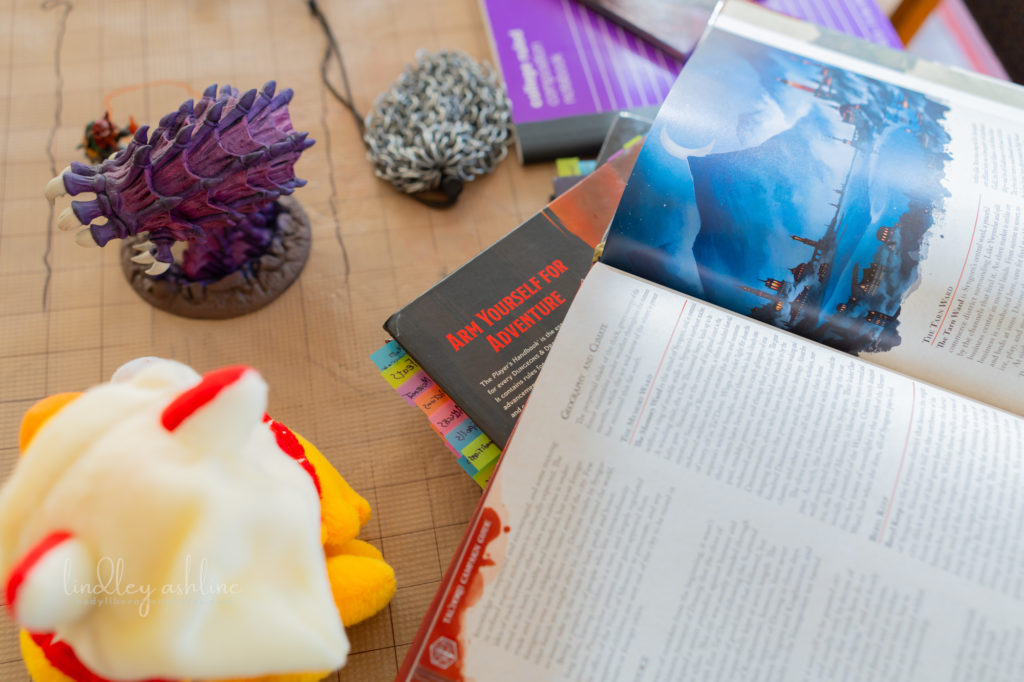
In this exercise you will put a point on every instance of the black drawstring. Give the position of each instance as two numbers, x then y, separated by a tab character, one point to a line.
442	197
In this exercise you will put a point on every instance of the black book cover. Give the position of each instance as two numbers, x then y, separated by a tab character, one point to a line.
483	331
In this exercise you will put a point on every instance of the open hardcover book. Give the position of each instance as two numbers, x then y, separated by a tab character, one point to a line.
701	485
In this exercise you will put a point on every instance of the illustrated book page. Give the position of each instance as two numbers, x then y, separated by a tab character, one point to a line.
862	199
691	494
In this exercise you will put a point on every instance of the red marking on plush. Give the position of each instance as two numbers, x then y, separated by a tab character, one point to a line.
194	398
62	657
287	441
28	562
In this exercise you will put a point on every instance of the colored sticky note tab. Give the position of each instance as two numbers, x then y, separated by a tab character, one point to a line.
432	400
463	434
483	477
448	418
481	451
399	372
415	386
587	167
568	166
467	466
387	355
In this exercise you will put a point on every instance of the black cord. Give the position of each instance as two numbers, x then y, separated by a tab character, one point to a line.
442	197
332	48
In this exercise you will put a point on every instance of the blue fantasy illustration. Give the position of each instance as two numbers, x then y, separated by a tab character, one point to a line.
792	191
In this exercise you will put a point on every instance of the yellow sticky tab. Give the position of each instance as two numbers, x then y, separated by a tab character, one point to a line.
568	166
397	373
633	141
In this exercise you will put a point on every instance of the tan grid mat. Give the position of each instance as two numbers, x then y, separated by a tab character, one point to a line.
68	318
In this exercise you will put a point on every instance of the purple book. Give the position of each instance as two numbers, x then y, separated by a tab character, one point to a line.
569	69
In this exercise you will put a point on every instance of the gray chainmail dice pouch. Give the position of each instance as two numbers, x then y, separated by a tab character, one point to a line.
445	121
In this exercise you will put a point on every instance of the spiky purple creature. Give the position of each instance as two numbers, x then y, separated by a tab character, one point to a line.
209	175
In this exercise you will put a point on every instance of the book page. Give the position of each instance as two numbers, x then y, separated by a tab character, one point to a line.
861	206
693	495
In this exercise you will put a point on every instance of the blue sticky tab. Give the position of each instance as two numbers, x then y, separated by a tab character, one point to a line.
387	355
461	435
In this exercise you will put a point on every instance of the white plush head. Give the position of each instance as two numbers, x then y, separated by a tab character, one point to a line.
155	526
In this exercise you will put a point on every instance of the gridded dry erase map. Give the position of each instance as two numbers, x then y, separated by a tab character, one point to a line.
69	317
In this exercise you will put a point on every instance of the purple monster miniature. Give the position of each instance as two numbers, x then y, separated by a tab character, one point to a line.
212	175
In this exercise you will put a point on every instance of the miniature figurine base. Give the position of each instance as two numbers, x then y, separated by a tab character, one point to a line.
241	292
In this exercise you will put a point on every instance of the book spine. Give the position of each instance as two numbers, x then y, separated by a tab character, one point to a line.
476	452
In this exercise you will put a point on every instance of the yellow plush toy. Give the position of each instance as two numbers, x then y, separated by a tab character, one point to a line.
161	526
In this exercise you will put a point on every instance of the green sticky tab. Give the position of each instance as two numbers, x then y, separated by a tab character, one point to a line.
483	476
481	451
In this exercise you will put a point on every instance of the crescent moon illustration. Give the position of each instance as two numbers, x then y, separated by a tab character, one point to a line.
679	151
